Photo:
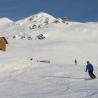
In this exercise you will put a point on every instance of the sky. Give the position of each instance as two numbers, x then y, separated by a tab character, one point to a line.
75	10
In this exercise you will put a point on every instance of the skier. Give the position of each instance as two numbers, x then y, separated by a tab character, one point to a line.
75	62
31	59
90	69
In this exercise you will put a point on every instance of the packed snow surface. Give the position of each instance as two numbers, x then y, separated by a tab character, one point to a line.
44	68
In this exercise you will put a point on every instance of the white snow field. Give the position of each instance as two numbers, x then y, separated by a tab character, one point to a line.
51	73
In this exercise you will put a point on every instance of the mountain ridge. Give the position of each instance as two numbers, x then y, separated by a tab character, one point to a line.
5	20
42	23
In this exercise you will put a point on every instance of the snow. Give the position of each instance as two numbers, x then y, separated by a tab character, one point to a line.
5	20
58	76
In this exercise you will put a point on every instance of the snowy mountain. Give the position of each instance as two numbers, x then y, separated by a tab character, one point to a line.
36	21
5	23
39	58
39	17
43	25
5	20
25	27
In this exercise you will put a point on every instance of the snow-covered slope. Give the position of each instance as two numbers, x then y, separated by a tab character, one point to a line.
58	79
39	62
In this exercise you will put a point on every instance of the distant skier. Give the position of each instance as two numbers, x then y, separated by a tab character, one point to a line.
31	59
90	69
75	62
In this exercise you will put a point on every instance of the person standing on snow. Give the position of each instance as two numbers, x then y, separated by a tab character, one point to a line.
90	69
75	62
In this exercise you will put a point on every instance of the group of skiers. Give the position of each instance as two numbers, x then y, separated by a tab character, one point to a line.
89	69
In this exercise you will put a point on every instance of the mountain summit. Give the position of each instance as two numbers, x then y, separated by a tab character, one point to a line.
37	20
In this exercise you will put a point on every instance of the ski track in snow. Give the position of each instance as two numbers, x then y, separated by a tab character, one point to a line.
47	81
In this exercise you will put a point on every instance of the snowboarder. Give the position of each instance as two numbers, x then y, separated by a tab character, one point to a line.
75	62
90	69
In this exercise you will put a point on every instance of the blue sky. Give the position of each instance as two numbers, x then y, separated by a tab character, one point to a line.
75	10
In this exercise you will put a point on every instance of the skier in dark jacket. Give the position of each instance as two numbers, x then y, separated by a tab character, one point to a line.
90	69
75	62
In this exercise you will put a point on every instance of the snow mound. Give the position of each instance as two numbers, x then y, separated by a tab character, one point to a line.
5	20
